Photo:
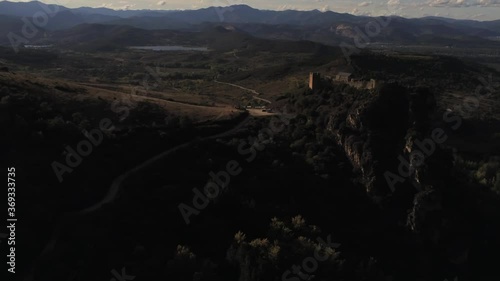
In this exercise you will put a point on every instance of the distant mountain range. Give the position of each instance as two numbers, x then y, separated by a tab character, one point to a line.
324	27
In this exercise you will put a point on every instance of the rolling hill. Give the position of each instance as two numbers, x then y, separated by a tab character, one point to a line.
324	27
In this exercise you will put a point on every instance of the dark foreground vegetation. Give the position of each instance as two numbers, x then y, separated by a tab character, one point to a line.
400	182
316	188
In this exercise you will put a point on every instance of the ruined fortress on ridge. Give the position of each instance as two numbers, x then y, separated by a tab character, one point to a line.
315	81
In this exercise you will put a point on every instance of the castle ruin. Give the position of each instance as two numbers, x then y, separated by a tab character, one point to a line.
341	77
314	80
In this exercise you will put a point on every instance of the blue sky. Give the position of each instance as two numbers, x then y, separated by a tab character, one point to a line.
463	9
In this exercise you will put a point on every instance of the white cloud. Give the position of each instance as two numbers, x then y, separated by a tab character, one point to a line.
120	5
449	3
488	3
464	3
393	3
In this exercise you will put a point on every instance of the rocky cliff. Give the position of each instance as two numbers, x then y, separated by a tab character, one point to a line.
392	138
371	128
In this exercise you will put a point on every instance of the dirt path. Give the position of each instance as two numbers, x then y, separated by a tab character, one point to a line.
246	89
117	183
114	190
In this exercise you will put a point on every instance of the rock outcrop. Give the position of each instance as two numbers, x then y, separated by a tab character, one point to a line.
371	130
382	132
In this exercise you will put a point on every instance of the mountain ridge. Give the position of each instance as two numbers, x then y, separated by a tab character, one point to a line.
34	6
328	27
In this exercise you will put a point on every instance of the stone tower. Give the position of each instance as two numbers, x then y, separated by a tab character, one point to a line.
314	80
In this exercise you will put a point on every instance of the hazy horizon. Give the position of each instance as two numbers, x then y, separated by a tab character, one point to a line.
457	9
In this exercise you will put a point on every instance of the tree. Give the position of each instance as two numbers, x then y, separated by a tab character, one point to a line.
287	243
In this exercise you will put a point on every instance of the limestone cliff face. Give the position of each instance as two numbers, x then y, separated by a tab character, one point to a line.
381	130
371	129
431	171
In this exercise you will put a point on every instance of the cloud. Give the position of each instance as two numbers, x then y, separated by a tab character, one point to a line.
286	7
357	12
364	4
464	3
449	3
161	3
488	3
393	3
121	5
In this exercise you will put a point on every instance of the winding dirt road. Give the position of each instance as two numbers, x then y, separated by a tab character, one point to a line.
114	190
115	187
246	89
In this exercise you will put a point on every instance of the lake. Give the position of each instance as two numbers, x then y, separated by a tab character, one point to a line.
38	46
170	48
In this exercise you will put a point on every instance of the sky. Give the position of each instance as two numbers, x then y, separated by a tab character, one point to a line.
462	9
